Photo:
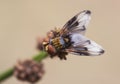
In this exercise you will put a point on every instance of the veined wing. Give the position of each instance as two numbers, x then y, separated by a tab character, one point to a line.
84	46
78	23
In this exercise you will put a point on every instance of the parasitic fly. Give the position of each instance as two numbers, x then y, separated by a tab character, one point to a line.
70	39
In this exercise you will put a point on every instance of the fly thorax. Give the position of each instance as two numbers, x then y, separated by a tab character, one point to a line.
58	43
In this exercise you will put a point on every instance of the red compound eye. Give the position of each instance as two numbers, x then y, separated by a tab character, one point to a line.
51	50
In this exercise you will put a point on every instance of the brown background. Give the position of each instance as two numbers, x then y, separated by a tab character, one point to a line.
21	21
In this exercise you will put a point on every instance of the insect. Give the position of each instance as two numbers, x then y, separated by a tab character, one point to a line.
71	39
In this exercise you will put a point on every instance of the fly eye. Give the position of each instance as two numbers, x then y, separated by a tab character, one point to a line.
51	50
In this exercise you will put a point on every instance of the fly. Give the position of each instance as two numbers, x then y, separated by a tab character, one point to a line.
71	39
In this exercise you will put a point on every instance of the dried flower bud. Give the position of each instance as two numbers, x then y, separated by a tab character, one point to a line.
39	43
29	70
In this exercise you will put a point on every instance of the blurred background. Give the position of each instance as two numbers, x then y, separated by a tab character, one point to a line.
22	21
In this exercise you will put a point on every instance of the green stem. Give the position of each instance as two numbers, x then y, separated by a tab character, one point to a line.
40	56
6	74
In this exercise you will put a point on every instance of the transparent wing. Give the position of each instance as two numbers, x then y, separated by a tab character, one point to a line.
84	46
78	23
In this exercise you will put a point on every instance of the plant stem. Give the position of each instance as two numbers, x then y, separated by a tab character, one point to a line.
40	56
6	74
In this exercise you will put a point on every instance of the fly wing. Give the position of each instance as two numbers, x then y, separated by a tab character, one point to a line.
84	46
78	23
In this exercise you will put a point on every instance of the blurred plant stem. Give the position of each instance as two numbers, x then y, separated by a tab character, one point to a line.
6	74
